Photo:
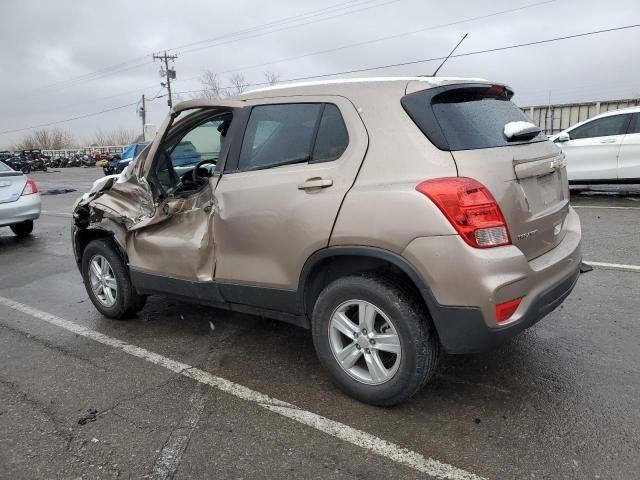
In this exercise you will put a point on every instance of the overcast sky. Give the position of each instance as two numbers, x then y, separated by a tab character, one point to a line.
51	51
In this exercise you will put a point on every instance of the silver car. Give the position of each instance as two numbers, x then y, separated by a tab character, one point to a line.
20	202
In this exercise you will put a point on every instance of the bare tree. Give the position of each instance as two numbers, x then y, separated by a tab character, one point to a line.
44	139
211	86
117	136
272	78
238	83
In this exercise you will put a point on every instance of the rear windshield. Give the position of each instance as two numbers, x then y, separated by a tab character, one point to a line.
466	118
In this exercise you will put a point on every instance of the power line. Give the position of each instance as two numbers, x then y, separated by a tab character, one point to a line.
304	16
388	37
134	62
346	72
466	54
289	27
68	119
353	45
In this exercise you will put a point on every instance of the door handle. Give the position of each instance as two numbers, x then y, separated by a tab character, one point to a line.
315	183
608	140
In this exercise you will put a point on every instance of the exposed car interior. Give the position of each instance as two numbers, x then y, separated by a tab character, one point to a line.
192	152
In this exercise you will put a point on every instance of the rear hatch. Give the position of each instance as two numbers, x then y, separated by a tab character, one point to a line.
11	184
526	174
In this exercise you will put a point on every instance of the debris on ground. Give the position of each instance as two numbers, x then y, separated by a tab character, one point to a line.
90	417
57	191
212	326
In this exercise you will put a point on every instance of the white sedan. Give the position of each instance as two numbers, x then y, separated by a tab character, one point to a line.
19	201
603	149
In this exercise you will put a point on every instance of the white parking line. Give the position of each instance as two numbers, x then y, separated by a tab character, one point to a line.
602	207
170	456
614	266
339	430
56	214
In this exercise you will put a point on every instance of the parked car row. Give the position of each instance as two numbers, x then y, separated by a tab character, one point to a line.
19	201
603	149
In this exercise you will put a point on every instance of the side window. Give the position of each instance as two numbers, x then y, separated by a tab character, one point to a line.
602	127
332	138
205	141
279	135
201	143
635	124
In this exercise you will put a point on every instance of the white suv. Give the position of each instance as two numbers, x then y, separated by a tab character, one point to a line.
603	149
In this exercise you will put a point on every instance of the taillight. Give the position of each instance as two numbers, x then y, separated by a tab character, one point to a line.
470	208
506	309
30	188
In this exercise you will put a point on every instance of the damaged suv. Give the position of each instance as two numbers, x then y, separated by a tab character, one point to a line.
394	218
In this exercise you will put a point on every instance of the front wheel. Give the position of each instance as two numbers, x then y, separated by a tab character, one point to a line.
374	339
107	281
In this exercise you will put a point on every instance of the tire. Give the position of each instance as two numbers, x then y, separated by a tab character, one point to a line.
22	229
125	301
396	313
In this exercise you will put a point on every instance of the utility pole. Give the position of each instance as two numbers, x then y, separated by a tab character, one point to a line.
143	114
168	73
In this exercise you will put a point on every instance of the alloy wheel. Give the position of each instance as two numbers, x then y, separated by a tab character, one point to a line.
103	281
364	342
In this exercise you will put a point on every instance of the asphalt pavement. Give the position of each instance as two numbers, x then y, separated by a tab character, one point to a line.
183	391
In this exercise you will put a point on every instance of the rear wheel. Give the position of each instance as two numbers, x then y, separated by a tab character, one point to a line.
374	339
22	229
107	281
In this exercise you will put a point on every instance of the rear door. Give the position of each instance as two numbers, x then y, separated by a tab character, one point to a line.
592	151
629	156
279	200
527	176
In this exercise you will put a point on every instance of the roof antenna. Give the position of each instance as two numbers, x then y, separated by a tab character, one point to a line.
450	53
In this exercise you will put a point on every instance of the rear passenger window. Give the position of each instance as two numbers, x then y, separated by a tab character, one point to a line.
279	135
602	127
292	133
332	139
635	124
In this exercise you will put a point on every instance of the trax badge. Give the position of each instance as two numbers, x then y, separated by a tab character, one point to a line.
522	236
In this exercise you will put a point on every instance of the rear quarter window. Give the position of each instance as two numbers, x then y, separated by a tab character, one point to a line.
4	168
466	117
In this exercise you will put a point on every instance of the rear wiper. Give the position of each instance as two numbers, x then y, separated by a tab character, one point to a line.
520	131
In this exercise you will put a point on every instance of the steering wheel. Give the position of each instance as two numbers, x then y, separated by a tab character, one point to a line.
194	172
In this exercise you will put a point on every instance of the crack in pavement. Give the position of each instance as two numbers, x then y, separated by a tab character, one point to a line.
57	348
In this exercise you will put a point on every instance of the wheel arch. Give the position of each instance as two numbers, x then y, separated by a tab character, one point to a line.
82	238
330	263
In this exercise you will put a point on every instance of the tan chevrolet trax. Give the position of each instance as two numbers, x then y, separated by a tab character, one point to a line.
394	218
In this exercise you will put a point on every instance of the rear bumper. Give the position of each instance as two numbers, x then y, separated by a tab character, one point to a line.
25	208
466	284
463	330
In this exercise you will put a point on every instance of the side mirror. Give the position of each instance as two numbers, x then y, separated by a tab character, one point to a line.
563	137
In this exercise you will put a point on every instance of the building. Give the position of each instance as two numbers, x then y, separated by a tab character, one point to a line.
554	118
